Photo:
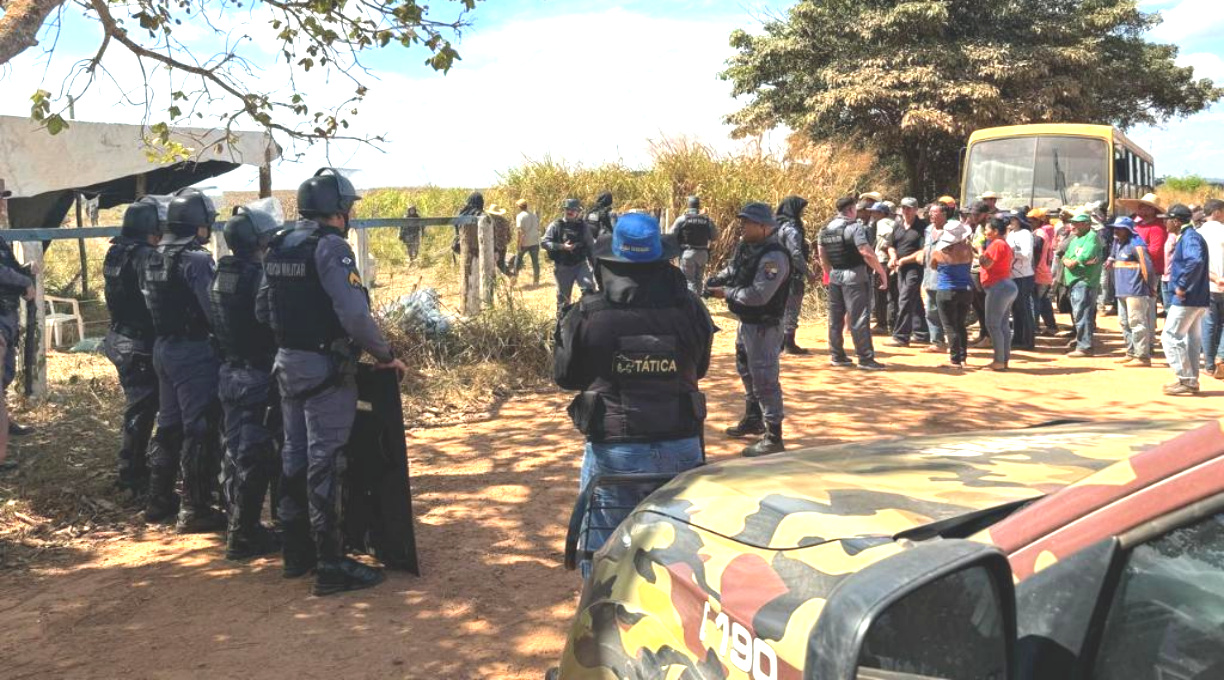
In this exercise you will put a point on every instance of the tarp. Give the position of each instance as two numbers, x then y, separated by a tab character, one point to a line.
103	159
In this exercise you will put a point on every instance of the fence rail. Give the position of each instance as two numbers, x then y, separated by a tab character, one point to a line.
65	233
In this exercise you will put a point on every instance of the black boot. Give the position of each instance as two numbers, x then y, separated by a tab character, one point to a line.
770	443
163	503
247	537
750	424
789	346
298	549
337	573
247	542
200	471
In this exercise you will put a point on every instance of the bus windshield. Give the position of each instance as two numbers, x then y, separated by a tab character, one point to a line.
1040	172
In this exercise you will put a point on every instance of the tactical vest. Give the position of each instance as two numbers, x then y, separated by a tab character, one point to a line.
696	231
645	379
747	260
839	245
570	232
242	337
176	311
124	300
10	296
301	312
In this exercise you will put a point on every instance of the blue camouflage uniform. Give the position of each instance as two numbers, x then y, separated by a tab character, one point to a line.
317	385
176	283
570	266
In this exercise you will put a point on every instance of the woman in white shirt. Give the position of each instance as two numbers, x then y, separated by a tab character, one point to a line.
1020	238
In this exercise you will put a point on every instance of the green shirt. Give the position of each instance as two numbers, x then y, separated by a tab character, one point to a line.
1088	256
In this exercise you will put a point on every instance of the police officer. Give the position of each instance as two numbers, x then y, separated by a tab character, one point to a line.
694	232
794	238
16	283
602	219
756	286
129	343
251	404
849	257
314	300
176	280
569	245
635	352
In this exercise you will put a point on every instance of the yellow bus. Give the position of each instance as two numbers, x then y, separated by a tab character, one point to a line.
1053	165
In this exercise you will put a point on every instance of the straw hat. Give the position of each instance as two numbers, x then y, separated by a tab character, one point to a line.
1150	200
874	196
496	209
988	194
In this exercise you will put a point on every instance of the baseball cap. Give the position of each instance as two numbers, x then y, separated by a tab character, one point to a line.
880	208
760	213
947	200
909	202
1081	217
1038	213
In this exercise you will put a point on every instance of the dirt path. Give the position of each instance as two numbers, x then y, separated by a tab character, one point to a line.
492	498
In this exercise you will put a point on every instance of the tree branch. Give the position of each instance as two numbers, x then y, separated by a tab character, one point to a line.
20	25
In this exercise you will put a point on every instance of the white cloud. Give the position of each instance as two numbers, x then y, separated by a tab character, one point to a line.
1189	19
1206	65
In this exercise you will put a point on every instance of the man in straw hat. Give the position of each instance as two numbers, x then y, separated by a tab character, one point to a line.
1147	212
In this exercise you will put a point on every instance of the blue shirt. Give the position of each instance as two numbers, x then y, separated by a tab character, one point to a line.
1133	270
955	277
1188	271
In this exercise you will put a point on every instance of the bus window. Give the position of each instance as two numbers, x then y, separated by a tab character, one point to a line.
1004	166
1070	171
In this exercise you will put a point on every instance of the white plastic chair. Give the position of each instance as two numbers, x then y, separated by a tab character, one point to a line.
54	321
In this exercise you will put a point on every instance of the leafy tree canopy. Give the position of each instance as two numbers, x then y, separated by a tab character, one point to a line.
234	80
915	77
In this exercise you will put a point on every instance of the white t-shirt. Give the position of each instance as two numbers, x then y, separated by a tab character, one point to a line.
1213	233
1021	242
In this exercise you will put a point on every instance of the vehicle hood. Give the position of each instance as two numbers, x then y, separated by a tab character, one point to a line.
881	488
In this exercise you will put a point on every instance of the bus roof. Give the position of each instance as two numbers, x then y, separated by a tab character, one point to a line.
1107	132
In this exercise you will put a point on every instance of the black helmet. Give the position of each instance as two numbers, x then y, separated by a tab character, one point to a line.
327	193
189	210
1180	212
142	220
694	203
248	230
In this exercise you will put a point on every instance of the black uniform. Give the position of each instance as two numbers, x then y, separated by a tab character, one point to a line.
129	346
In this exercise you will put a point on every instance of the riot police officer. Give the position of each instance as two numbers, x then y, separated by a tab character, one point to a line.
250	402
314	300
694	232
569	245
756	285
16	283
129	343
635	352
793	237
176	280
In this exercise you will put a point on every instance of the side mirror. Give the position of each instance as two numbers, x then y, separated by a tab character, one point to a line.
1121	170
944	609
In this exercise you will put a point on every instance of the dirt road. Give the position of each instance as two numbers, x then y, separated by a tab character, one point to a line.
492	498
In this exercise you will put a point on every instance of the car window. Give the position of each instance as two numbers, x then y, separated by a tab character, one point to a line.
1167	615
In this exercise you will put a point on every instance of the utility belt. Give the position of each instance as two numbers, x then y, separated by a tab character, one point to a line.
344	369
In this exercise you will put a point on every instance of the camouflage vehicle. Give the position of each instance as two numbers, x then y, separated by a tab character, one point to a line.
1068	551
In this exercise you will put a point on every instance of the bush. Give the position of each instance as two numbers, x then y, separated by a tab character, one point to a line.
1189	184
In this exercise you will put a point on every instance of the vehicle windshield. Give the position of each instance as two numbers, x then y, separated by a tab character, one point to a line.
1039	172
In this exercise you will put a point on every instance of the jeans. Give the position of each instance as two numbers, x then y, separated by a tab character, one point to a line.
1136	317
954	308
1043	307
534	252
1213	336
979	305
854	300
934	320
910	319
1166	296
1083	312
999	299
610	505
1183	340
1023	317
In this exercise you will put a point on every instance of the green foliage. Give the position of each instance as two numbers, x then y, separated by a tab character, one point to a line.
916	77
1189	184
393	203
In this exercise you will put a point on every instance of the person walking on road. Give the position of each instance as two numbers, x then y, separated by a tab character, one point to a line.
1135	286
906	259
569	245
635	353
756	285
793	236
527	225
1190	282
694	231
849	258
1001	291
1082	265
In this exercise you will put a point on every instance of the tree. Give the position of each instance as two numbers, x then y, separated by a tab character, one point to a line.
227	82
914	78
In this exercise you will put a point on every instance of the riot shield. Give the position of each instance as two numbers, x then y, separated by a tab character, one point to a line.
378	497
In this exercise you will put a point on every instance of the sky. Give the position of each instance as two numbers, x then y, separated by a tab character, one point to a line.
584	81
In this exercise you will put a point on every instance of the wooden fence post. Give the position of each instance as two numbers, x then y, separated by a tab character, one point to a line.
363	256
265	174
469	272
486	260
36	374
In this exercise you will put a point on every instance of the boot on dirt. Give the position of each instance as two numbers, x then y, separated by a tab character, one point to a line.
770	443
197	514
789	346
163	503
246	543
247	537
337	573
298	549
751	423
